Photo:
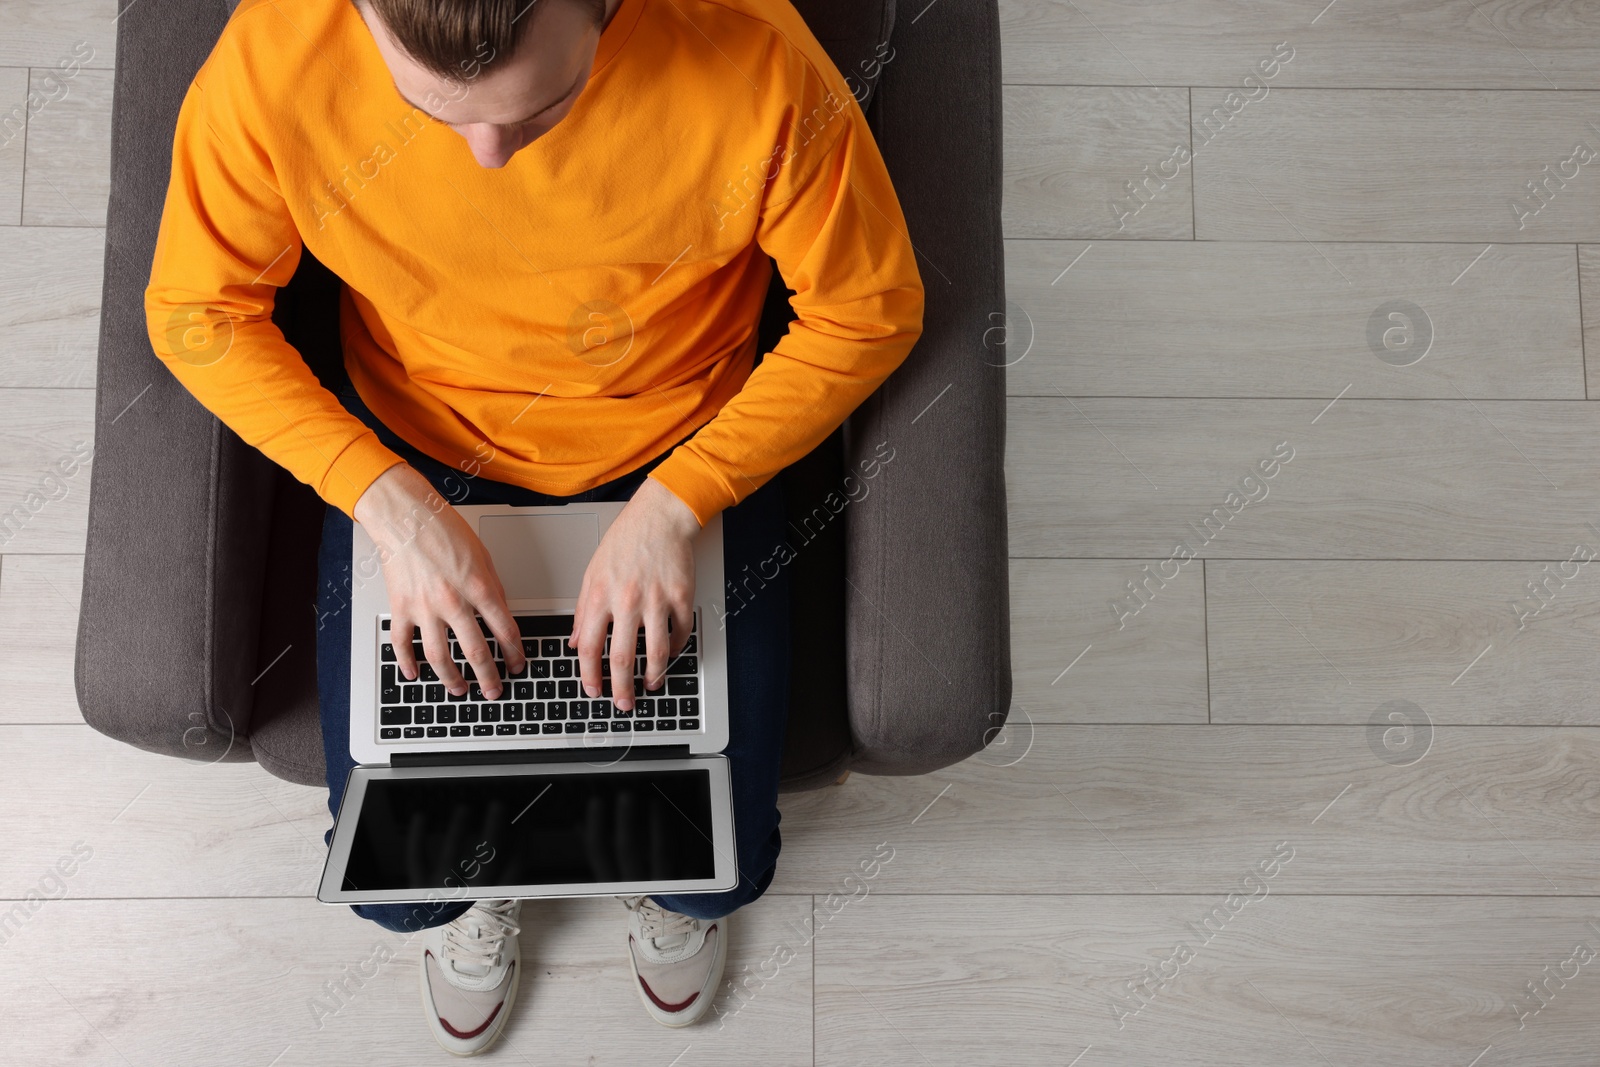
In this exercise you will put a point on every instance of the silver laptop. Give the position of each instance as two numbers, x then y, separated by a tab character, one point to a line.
545	792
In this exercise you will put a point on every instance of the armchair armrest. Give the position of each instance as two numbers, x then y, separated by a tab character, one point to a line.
928	612
178	508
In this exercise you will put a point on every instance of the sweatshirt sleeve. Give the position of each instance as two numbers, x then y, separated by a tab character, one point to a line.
227	242
831	221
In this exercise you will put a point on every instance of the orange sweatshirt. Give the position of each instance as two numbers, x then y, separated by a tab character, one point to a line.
560	321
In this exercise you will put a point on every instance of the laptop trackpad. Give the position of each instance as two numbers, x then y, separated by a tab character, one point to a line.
541	557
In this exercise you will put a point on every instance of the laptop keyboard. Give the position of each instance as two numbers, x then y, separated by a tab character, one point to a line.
544	699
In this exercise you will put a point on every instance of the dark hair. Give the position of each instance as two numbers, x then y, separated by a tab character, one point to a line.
454	38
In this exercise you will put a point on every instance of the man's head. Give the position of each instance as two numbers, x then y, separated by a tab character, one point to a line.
501	73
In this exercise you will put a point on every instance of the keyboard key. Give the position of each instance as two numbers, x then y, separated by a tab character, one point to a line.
491	713
411	694
544	625
644	727
575	727
546	690
446	715
600	709
413	731
666	724
433	694
390	688
522	690
389	733
422	716
568	688
568	648
386	652
452	696
460	731
688	724
523	673
539	668
483	730
395	716
684	665
474	692
688	706
425	671
578	709
469	713
621	727
683	686
505	728
689	649
645	705
513	712
438	731
666	707
556	709
383	624
552	728
550	647
622	713
598	727
535	711
561	668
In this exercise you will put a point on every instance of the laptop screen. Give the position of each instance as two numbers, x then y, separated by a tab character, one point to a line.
532	829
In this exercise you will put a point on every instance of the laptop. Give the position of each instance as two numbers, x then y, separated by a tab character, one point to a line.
545	792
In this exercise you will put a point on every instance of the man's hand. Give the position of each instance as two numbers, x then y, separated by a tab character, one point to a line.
437	573
642	573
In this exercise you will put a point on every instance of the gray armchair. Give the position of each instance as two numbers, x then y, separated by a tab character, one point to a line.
196	632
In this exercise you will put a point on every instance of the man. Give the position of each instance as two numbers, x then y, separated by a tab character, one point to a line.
553	220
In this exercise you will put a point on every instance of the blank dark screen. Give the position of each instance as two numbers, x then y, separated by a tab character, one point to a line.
532	829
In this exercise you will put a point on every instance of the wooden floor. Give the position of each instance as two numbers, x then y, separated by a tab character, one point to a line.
1326	794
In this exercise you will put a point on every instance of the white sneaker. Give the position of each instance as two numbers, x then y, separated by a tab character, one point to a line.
677	960
469	975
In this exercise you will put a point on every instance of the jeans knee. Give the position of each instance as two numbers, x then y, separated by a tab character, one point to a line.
411	918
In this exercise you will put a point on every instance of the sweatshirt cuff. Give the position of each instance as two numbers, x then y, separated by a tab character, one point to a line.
695	482
354	470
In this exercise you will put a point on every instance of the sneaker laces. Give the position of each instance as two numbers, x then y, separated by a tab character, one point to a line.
474	942
665	930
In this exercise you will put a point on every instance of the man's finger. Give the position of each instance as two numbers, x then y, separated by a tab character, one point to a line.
590	643
400	630
504	627
624	639
656	641
475	647
437	647
682	627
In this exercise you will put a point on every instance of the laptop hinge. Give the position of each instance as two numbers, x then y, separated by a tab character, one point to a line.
602	757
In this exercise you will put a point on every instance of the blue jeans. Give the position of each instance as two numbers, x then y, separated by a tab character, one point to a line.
758	669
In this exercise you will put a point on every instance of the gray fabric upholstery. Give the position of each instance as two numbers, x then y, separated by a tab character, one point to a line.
200	564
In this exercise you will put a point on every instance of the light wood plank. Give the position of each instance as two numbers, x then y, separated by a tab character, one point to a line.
13	141
1589	284
1073	659
1396	165
38	634
1267	319
1308	641
69	153
1183	809
1069	151
1369	479
1286	980
160	827
50	279
41	511
42	33
142	974
1426	44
